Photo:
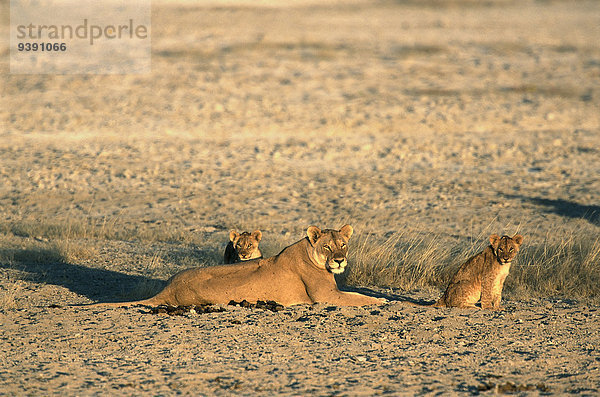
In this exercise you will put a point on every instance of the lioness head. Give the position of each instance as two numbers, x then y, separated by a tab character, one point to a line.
328	248
246	244
506	248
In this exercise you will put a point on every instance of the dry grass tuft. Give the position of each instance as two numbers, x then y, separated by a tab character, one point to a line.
107	229
30	253
9	292
71	251
566	265
147	287
405	260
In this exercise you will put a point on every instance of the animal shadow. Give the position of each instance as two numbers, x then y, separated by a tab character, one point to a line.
47	266
568	209
388	296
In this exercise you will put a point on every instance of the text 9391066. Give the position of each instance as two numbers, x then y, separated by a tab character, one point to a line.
45	47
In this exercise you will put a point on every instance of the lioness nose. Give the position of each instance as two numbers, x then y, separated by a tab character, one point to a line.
339	261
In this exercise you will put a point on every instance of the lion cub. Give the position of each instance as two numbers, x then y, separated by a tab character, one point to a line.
242	246
482	276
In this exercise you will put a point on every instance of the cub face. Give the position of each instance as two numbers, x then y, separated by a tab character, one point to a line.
505	248
329	248
246	244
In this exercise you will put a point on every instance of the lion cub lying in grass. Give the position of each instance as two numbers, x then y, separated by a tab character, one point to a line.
301	273
482	276
242	247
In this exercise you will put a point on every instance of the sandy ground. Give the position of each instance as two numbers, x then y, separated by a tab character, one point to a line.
457	118
534	347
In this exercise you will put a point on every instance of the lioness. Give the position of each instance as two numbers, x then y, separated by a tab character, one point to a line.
482	276
301	273
242	247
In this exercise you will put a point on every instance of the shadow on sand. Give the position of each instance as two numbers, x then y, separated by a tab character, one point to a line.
47	266
388	296
568	209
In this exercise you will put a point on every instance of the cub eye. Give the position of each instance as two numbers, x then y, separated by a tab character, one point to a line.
511	250
343	246
500	250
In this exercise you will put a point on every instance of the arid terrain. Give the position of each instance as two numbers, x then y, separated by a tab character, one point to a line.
426	125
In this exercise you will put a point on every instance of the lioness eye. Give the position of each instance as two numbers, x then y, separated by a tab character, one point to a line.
343	245
500	250
511	250
327	247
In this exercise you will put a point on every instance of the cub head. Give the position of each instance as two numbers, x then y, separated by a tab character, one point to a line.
506	248
246	244
328	248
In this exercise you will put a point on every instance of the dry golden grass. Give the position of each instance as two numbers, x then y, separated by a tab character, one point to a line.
84	229
147	287
563	265
404	261
9	291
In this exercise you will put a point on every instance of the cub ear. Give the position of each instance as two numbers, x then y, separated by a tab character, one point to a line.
257	234
233	235
518	239
346	232
313	234
495	241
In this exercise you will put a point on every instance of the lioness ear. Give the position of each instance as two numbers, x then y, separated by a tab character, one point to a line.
257	235
518	239
233	235
313	234
346	232
495	241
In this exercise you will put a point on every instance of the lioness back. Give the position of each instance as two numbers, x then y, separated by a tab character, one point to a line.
242	247
301	273
481	277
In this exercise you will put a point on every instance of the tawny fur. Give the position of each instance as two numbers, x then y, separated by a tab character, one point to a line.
481	278
242	247
301	273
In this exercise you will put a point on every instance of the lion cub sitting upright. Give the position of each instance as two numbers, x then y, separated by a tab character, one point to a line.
482	276
242	247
